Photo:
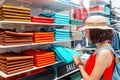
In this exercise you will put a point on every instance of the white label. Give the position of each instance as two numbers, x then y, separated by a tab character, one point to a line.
70	67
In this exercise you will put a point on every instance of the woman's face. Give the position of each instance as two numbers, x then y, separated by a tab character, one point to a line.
87	35
87	31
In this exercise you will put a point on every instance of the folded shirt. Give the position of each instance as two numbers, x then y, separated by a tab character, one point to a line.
62	36
66	54
61	22
42	21
54	15
61	30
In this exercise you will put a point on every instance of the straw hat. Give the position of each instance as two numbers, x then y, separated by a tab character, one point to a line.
96	22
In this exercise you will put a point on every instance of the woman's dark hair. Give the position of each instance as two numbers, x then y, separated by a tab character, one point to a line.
100	35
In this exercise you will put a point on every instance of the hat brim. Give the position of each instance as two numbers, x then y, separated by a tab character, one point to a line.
97	27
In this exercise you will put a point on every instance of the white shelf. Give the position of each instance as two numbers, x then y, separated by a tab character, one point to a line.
1	46
31	23
54	5
34	68
67	74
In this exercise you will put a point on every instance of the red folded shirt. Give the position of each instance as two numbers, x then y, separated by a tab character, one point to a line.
42	19
41	57
96	8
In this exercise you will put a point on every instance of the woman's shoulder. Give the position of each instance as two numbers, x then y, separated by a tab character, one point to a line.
105	53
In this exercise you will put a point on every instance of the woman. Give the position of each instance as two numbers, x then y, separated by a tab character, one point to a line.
100	65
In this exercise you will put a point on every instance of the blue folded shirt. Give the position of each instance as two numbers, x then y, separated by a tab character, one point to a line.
60	33
62	36
54	15
61	30
61	22
66	54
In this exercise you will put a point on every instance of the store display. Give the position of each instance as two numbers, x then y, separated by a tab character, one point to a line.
13	13
41	57
11	63
58	18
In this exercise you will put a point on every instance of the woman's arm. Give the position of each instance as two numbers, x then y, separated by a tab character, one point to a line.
102	62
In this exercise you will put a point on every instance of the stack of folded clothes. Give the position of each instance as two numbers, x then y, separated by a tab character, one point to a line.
63	53
97	8
15	38
13	13
43	37
41	57
12	63
107	10
75	22
42	19
58	18
76	35
61	34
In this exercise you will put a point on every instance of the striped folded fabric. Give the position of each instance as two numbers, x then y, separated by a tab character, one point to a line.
63	53
15	38
58	18
41	57
61	34
76	22
97	8
76	35
39	37
13	13
42	19
12	63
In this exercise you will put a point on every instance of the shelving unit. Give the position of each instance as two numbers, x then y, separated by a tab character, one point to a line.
66	74
34	68
54	5
4	23
34	44
44	4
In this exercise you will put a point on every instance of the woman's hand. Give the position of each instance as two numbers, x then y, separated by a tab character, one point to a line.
77	60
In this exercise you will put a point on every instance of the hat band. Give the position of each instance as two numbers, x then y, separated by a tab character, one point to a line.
96	24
